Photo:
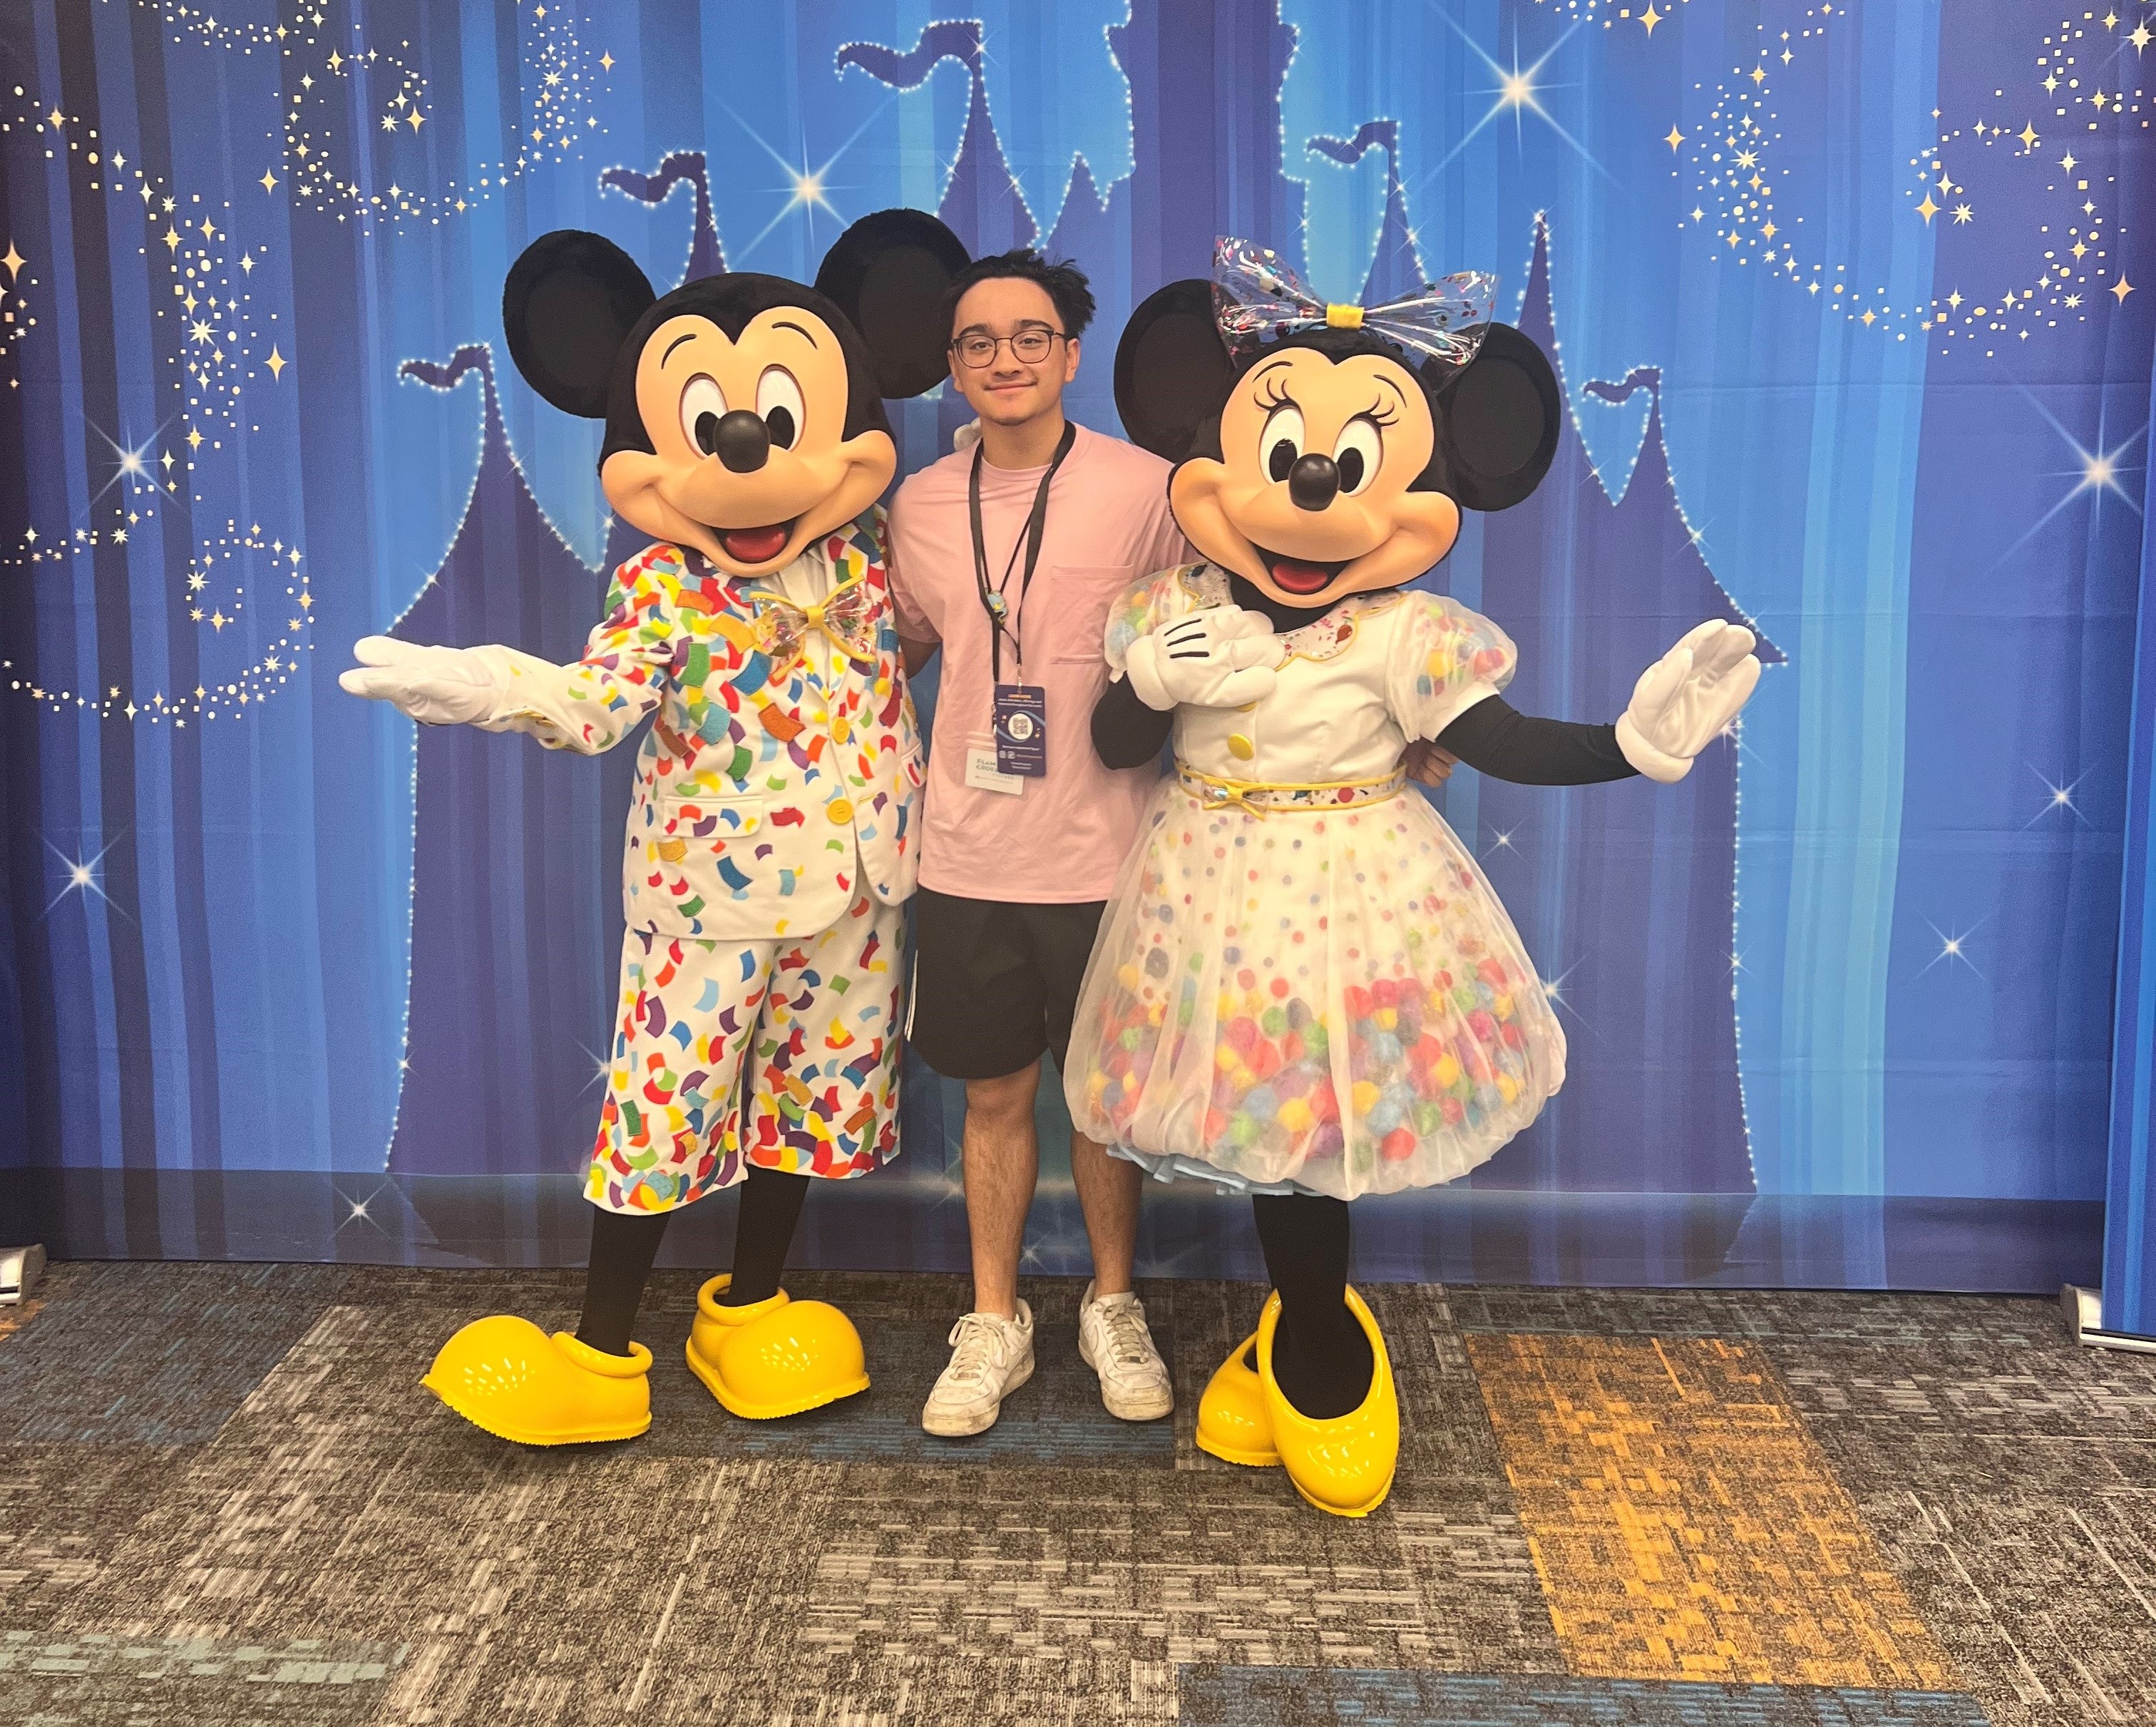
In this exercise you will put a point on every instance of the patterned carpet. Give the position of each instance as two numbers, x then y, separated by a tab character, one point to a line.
224	1499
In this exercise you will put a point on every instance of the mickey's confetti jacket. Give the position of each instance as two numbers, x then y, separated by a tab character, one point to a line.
771	845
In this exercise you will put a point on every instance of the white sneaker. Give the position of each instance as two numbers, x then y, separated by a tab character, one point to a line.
1113	1339
991	1357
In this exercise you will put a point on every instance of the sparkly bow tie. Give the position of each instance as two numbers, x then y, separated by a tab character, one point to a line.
1257	298
847	618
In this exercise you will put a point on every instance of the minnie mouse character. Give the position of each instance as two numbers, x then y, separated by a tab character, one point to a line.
771	844
1305	989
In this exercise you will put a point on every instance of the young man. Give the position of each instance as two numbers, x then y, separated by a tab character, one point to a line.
1007	556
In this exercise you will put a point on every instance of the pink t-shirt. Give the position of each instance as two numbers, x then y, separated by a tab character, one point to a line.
1063	839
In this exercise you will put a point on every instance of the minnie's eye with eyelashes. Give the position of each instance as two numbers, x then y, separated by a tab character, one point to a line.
1280	442
1358	454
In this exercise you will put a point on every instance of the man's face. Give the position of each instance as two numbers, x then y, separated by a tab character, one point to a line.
1009	391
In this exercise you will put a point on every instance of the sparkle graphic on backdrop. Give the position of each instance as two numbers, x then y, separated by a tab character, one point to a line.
221	351
2035	275
351	81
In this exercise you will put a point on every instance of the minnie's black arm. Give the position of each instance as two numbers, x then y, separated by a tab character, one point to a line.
1494	739
1126	733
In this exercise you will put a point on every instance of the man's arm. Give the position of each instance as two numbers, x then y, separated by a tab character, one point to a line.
917	654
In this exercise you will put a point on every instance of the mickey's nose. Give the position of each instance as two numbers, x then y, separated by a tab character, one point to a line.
1313	482
743	441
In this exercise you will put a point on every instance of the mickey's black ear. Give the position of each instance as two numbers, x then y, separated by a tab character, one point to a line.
571	300
887	273
1173	372
1497	423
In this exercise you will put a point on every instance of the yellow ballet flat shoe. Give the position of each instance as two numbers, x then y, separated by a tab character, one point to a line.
774	1357
1233	1423
1343	1466
507	1376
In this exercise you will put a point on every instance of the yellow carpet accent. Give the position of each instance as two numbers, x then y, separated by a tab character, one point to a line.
15	1316
1686	1526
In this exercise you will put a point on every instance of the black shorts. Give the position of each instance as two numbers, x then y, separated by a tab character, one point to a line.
995	983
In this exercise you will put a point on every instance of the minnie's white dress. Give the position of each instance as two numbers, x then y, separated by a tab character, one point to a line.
1304	982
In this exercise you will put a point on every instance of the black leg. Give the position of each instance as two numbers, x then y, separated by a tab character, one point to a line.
623	1248
1321	1358
770	1207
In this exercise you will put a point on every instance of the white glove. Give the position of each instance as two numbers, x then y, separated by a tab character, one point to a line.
1682	701
436	686
1222	657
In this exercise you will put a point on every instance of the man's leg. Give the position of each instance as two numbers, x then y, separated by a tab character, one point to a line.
977	1017
1113	1338
1108	1196
1003	1162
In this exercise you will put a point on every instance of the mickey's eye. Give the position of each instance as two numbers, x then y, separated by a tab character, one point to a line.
1281	441
703	405
1358	454
778	400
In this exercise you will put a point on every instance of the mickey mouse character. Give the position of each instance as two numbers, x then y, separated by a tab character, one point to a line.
770	842
1305	989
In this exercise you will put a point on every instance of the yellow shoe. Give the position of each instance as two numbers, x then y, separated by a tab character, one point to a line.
1232	1421
775	1357
507	1376
1344	1466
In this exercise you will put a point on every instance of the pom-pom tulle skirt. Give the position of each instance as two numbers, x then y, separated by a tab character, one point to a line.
1296	995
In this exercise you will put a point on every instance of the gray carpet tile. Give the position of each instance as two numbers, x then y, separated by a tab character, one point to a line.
236	1464
62	1506
1873	1316
1259	1696
1960	1384
99	1680
2046	1602
2013	1488
142	1353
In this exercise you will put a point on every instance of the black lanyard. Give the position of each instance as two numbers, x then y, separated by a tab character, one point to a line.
994	601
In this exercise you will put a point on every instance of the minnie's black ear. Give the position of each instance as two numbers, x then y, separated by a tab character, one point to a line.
1173	372
887	273
1497	423
571	300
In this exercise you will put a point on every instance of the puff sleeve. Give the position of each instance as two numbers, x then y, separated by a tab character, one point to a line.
1444	659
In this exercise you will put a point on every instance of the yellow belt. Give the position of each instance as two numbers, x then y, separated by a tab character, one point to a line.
1267	798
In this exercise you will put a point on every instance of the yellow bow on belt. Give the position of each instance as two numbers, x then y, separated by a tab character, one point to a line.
847	619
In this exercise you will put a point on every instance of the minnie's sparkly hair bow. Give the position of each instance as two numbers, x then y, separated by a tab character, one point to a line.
1256	298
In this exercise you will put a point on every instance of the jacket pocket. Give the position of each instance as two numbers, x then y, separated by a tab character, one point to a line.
693	867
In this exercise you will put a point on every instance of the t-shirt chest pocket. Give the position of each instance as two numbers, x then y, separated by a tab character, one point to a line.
1075	617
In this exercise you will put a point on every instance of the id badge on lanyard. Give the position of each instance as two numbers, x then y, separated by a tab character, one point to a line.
1021	715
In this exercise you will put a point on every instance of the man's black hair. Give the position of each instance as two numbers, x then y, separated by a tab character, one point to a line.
1064	283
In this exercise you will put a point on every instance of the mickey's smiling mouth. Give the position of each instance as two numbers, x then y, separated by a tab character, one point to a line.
755	545
1300	575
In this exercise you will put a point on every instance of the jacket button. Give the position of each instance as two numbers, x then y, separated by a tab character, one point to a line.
1240	747
841	728
838	809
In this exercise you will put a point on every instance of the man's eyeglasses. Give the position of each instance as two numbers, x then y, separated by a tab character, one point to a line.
978	348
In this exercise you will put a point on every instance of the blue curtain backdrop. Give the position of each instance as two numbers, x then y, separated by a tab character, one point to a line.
1849	306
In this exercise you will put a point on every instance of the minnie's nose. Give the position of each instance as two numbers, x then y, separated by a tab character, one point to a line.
743	441
1313	482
